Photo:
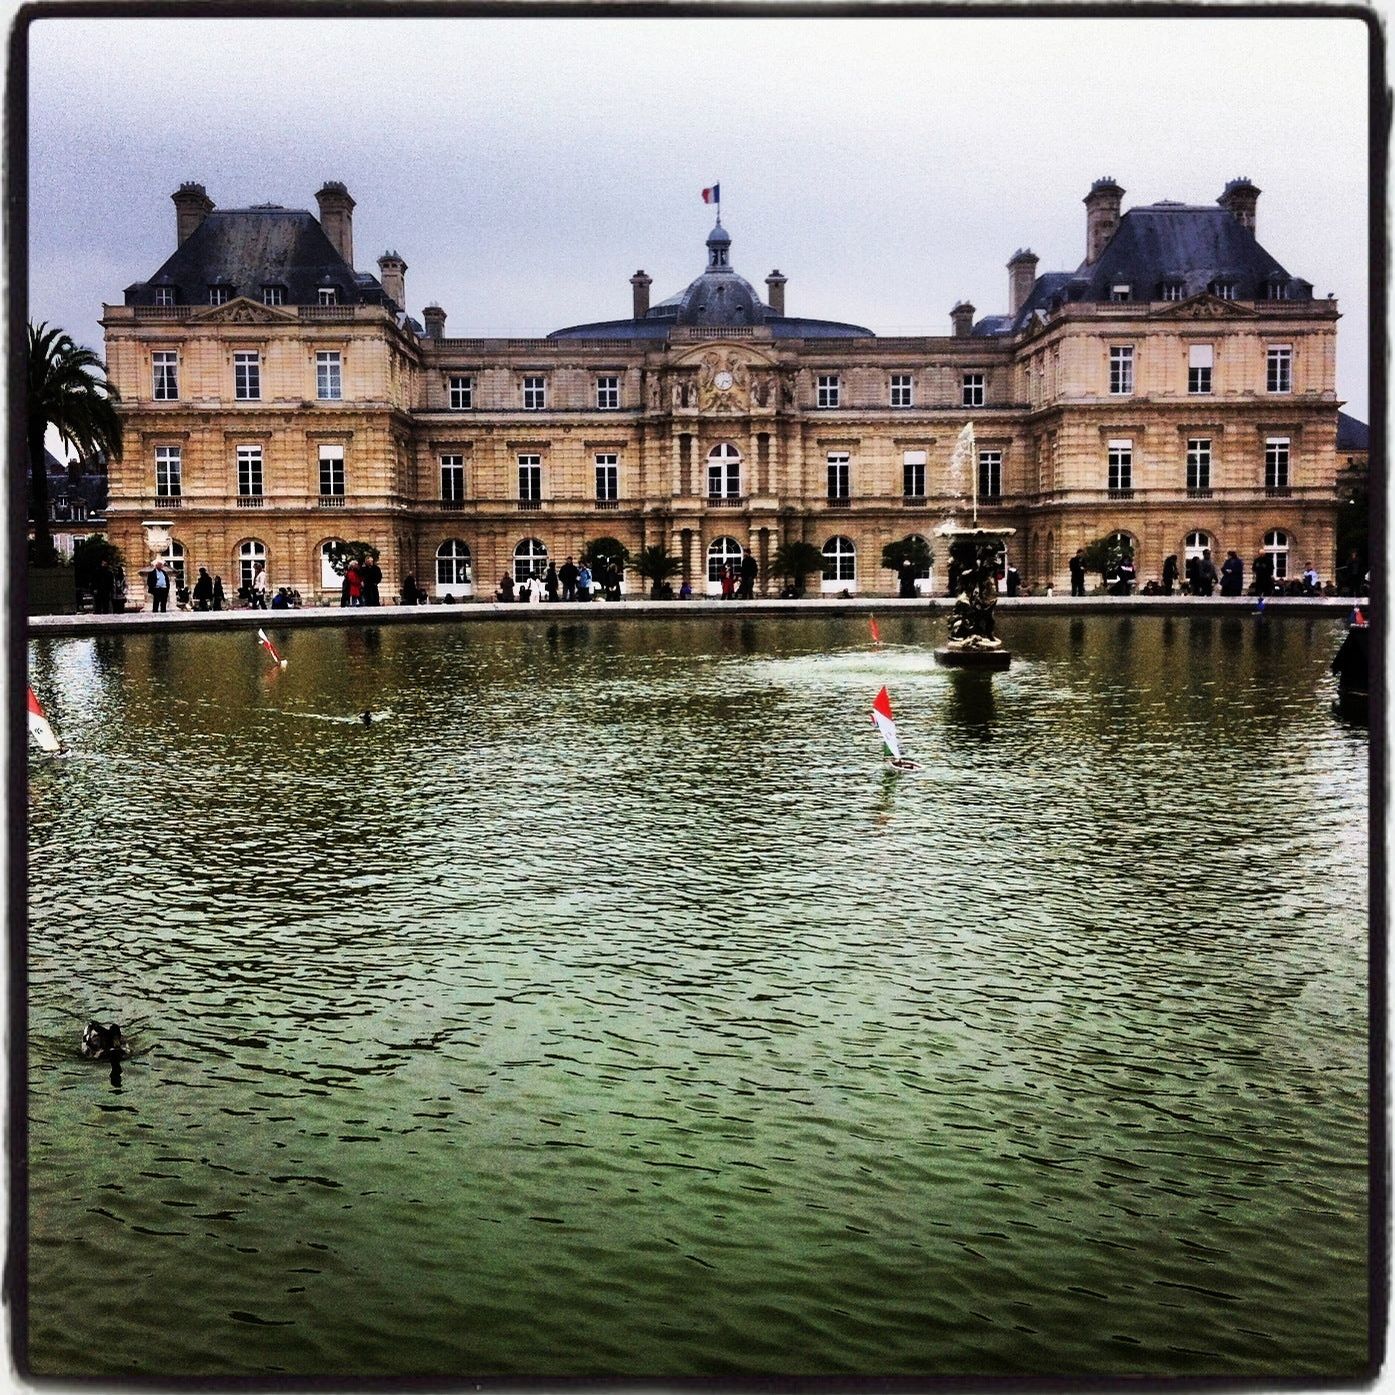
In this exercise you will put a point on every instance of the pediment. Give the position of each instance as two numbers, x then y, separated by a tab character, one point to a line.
731	353
242	310
1204	306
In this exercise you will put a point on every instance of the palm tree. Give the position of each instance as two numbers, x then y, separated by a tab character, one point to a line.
657	565
64	394
795	560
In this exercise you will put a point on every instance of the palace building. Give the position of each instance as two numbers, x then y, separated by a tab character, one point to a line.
1177	387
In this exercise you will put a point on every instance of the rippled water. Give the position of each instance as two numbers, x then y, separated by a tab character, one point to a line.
606	1007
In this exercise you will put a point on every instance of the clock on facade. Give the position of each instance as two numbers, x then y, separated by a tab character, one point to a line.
722	381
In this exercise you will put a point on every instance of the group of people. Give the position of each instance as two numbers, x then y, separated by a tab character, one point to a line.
569	582
740	582
361	583
1201	577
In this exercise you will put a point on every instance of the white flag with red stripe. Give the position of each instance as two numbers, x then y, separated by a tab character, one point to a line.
886	723
39	728
269	647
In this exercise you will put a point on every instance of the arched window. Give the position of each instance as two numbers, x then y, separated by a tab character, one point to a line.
1276	545
248	555
724	471
1196	543
330	580
722	552
1120	541
453	570
529	558
173	558
839	564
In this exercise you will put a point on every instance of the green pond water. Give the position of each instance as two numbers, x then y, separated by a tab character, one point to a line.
607	1007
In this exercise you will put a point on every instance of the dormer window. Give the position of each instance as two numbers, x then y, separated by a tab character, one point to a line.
273	295
1172	290
329	295
1119	292
164	295
219	295
1223	290
1276	289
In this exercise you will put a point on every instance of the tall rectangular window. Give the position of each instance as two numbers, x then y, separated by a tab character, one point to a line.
990	474
1199	463
608	393
1121	464
1199	361
166	366
329	295
534	394
972	390
462	394
607	478
1121	369
1276	462
837	474
332	471
452	478
829	389
530	478
1280	374
169	470
273	295
913	474
247	377
1172	290
329	379
219	295
164	295
1223	290
249	470
902	390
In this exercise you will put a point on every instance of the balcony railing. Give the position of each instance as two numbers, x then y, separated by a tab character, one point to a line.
914	501
1197	492
455	504
1120	492
331	501
169	501
607	503
532	504
250	501
725	501
838	501
1278	491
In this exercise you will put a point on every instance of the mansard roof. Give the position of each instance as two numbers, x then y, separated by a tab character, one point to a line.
1352	434
248	248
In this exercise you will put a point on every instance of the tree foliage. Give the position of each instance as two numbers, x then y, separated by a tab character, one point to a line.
610	550
340	554
795	560
88	554
67	389
656	564
1353	511
1105	554
913	549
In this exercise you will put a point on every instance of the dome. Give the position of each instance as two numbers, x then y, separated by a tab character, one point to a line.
719	296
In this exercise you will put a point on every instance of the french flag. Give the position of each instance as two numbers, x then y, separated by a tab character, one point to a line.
712	195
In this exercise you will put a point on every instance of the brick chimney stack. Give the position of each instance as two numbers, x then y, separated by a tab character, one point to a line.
435	319
337	217
392	272
1102	207
641	284
775	288
1240	199
1022	276
963	317
191	206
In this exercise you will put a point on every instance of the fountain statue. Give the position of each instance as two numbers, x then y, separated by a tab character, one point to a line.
973	578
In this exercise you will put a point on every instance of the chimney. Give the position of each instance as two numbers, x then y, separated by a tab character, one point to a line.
1022	276
191	206
641	284
337	217
775	291
392	272
963	317
435	319
1102	206
1240	200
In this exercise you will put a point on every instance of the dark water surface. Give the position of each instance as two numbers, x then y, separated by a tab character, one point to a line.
605	1007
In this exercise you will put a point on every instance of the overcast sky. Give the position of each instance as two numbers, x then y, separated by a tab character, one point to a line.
526	168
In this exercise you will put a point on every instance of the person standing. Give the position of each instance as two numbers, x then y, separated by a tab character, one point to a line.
1125	575
1169	576
583	583
505	592
1310	580
728	585
353	582
750	569
550	582
103	588
158	584
260	587
218	595
1206	573
1013	580
1077	573
409	589
536	594
1262	568
372	576
1232	574
203	590
568	575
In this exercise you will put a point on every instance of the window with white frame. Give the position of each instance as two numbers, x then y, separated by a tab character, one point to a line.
173	557
329	295
534	394
608	392
837	474
829	389
723	552
330	580
1223	290
169	471
1119	292
219	295
249	471
724	471
972	390
273	295
990	474
329	375
839	560
1276	460
247	377
1279	377
1195	544
1200	358
1276	546
922	573
462	393
331	471
250	556
530	478
607	477
452	478
1120	464
165	363
1172	290
1199	462
913	474
529	559
453	567
1276	289
902	390
164	295
1121	369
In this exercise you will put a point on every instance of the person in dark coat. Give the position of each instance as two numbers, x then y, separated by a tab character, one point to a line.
158	584
1206	573
1262	569
1232	574
103	588
1077	574
1014	580
905	574
750	569
1125	575
568	575
1169	576
506	587
203	590
1194	576
409	589
371	576
1352	662
219	598
550	582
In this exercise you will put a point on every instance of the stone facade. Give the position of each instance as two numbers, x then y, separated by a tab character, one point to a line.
723	430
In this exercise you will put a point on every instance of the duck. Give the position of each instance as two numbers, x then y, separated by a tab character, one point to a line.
104	1043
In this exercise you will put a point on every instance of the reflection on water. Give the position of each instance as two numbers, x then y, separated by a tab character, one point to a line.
613	1009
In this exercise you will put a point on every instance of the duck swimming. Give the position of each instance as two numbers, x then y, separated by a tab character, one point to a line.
104	1043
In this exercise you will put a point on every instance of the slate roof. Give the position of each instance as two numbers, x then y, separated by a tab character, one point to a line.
1352	435
248	248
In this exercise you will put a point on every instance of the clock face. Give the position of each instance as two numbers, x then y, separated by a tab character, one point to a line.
722	380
